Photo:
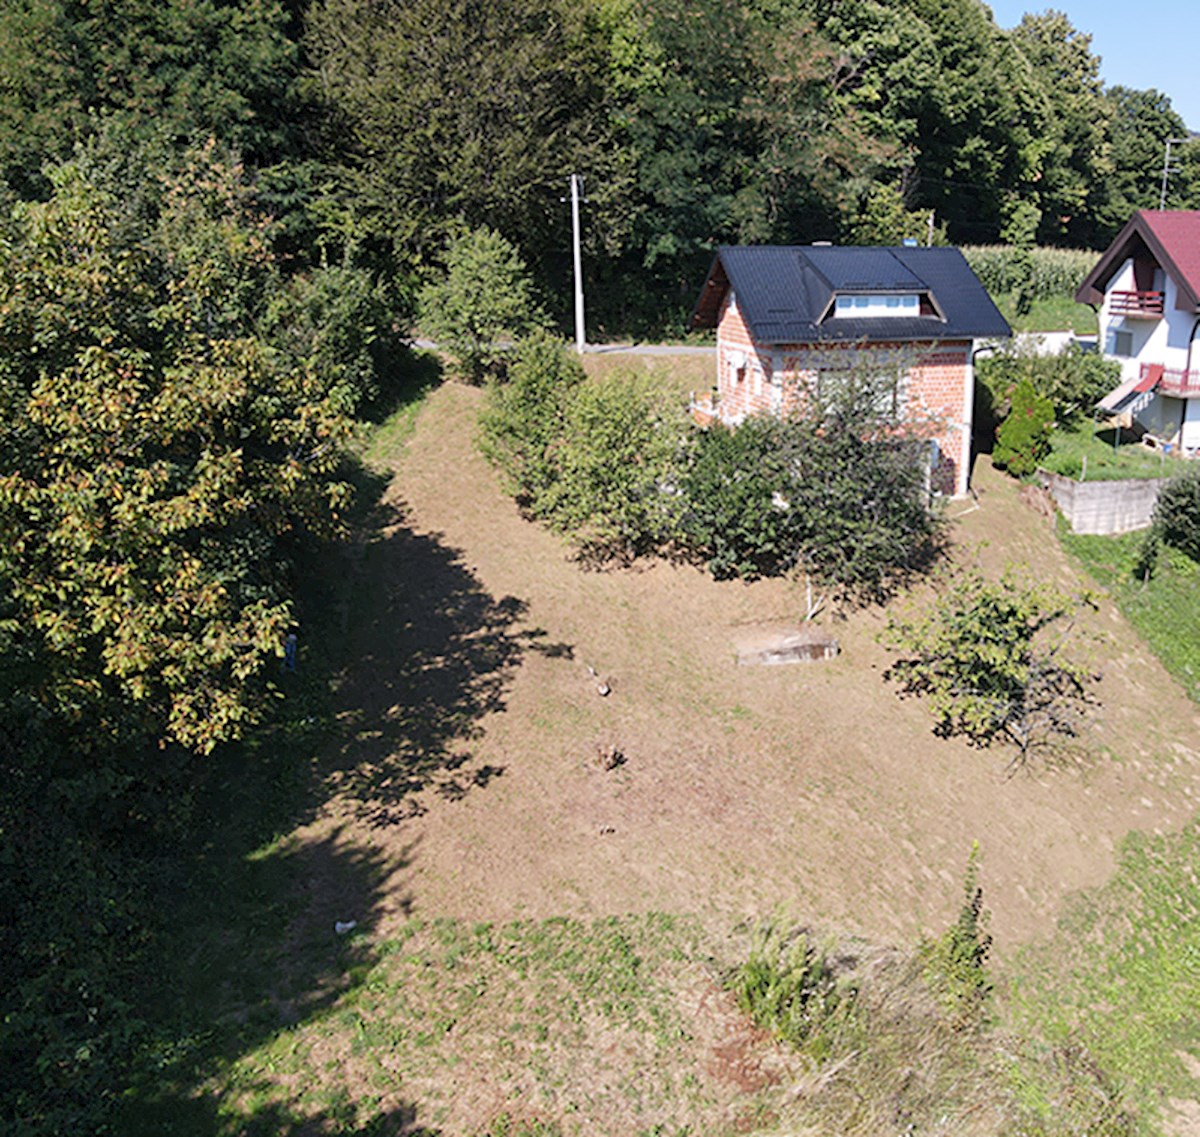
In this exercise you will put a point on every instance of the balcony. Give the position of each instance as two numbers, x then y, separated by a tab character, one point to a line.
1136	305
1174	382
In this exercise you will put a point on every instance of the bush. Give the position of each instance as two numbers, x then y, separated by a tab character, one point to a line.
1023	438
788	987
1177	514
980	654
525	417
736	514
1074	380
615	467
595	460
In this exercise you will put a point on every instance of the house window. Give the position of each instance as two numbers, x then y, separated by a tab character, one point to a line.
876	305
1122	344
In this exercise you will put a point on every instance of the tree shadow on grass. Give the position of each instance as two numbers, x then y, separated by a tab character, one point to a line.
428	653
259	943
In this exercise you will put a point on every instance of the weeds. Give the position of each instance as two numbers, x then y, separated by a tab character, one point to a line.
955	963
788	987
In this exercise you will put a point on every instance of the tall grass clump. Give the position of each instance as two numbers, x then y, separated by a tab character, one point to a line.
788	987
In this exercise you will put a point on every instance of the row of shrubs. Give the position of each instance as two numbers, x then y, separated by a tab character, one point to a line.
618	467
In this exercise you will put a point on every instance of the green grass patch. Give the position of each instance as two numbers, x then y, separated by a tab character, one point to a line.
1052	314
572	1018
1121	974
1165	610
385	431
1085	451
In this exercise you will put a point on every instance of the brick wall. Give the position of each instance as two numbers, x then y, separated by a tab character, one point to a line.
934	385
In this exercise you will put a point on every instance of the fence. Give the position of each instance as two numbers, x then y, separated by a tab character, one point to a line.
1104	507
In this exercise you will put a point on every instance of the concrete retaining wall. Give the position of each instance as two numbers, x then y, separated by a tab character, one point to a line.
1104	507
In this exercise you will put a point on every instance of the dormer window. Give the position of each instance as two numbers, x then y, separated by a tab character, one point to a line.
874	304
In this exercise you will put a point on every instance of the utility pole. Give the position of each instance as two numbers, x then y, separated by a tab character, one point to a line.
576	192
1168	169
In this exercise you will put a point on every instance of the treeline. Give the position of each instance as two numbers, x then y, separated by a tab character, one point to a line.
377	129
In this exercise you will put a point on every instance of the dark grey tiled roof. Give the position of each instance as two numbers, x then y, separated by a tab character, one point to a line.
785	293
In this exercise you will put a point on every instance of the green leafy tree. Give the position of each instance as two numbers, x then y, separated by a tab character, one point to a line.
596	460
460	111
838	490
988	656
1023	438
483	303
615	465
159	454
1073	380
1071	162
737	515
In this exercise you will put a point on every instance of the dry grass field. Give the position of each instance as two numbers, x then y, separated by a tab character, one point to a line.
512	814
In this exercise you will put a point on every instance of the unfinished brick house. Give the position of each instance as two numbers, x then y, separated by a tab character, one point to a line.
785	315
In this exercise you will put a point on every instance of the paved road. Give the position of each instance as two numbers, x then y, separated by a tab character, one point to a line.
616	348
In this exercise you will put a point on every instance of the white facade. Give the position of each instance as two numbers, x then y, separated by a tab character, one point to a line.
1170	340
1162	340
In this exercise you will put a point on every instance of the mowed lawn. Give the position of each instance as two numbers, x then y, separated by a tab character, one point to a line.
542	936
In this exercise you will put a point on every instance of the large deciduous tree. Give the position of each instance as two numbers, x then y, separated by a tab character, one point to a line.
158	453
1071	155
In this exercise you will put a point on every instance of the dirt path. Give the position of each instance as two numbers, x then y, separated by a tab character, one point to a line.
810	789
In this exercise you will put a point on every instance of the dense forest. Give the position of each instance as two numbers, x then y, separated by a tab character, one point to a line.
372	131
216	216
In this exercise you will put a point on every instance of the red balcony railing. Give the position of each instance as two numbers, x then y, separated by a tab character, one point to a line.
1143	305
1176	382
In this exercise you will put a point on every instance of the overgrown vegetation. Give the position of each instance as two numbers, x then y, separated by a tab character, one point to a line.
955	962
788	987
988	656
838	493
898	1043
351	117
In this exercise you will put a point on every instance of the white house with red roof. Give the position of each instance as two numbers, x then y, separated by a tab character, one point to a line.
1146	288
787	315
